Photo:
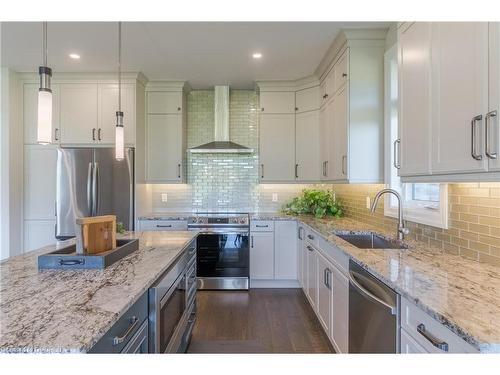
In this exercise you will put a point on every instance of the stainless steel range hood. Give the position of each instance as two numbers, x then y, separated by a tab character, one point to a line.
222	144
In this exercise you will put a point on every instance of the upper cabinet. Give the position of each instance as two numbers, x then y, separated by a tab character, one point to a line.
307	99
351	118
166	134
448	85
277	102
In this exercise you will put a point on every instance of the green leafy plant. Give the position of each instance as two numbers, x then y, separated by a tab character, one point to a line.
319	203
120	228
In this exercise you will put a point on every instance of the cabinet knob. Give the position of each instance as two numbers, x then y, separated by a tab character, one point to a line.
262	109
344	74
296	108
179	108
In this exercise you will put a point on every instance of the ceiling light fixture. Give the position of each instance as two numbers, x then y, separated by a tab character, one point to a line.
257	55
119	136
44	126
74	56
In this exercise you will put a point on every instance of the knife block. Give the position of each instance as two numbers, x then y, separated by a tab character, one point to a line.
96	234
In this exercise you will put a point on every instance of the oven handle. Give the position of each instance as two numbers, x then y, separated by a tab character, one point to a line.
243	232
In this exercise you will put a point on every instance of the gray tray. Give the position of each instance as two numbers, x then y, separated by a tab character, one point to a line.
67	258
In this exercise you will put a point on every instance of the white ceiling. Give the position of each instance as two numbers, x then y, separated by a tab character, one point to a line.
202	53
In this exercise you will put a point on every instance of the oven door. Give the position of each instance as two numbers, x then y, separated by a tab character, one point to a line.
222	254
171	312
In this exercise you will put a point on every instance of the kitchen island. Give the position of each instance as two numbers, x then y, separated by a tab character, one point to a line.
68	311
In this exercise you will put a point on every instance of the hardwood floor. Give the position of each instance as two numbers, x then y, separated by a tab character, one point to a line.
257	321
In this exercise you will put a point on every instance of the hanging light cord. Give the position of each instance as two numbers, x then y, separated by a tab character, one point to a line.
44	43
119	66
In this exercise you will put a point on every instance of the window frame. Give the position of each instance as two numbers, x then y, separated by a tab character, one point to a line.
416	213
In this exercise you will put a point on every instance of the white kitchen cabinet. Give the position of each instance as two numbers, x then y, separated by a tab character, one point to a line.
312	275
409	345
307	154
262	255
338	167
108	105
164	148
79	106
341	71
272	102
39	182
324	307
285	250
459	94
307	99
325	128
164	102
414	116
340	310
277	148
38	233
30	113
494	96
301	258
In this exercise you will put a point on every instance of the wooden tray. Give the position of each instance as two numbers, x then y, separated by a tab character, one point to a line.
67	258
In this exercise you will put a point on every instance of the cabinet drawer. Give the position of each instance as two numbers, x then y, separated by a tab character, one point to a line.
120	334
409	345
312	237
162	225
341	259
262	226
431	331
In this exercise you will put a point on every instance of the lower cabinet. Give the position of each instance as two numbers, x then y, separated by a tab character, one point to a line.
312	275
409	345
262	255
324	274
339	333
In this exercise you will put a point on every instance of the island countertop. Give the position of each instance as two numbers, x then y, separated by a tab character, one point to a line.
68	311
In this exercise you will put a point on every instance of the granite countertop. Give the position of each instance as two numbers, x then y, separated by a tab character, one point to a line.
54	311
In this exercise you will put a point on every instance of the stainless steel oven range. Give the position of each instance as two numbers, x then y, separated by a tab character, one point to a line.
172	305
222	250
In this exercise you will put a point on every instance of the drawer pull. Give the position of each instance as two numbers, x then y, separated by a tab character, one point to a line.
310	248
310	237
262	226
117	340
441	345
164	226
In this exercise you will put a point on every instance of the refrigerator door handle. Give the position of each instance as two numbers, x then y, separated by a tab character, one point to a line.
95	189
89	189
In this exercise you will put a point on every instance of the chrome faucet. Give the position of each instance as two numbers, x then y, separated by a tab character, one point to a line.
402	230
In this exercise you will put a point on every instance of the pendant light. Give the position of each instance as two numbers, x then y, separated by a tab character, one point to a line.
44	128
119	136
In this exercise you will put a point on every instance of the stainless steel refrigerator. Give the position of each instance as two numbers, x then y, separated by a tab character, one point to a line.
91	182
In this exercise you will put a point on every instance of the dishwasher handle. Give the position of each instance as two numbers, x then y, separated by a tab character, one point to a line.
367	294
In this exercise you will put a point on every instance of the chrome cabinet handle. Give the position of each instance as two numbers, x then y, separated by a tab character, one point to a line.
261	226
473	137
489	115
93	134
396	147
251	242
344	161
179	171
56	134
301	230
296	171
310	248
99	134
262	171
326	277
441	345
120	339
163	226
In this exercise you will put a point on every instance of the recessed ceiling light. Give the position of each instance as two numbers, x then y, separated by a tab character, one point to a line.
74	56
257	55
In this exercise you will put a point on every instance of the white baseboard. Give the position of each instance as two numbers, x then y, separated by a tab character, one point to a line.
254	284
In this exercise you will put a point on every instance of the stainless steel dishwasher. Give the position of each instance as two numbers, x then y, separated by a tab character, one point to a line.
374	323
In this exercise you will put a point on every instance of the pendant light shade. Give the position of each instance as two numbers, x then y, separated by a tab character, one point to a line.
44	127
119	131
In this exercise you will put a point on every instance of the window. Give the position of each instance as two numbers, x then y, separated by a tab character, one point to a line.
423	203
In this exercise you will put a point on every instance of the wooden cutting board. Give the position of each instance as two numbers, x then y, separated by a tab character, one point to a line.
97	234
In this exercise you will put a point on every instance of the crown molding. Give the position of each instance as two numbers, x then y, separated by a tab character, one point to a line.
291	85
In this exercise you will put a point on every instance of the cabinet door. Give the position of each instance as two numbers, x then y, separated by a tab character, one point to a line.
409	345
30	113
307	152
108	105
277	147
39	182
262	255
307	99
285	250
277	102
340	310
414	99
78	113
459	94
324	272
164	102
325	128
339	166
312	276
494	94
341	71
164	148
38	233
300	257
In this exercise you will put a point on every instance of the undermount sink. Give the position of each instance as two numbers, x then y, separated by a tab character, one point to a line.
370	241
